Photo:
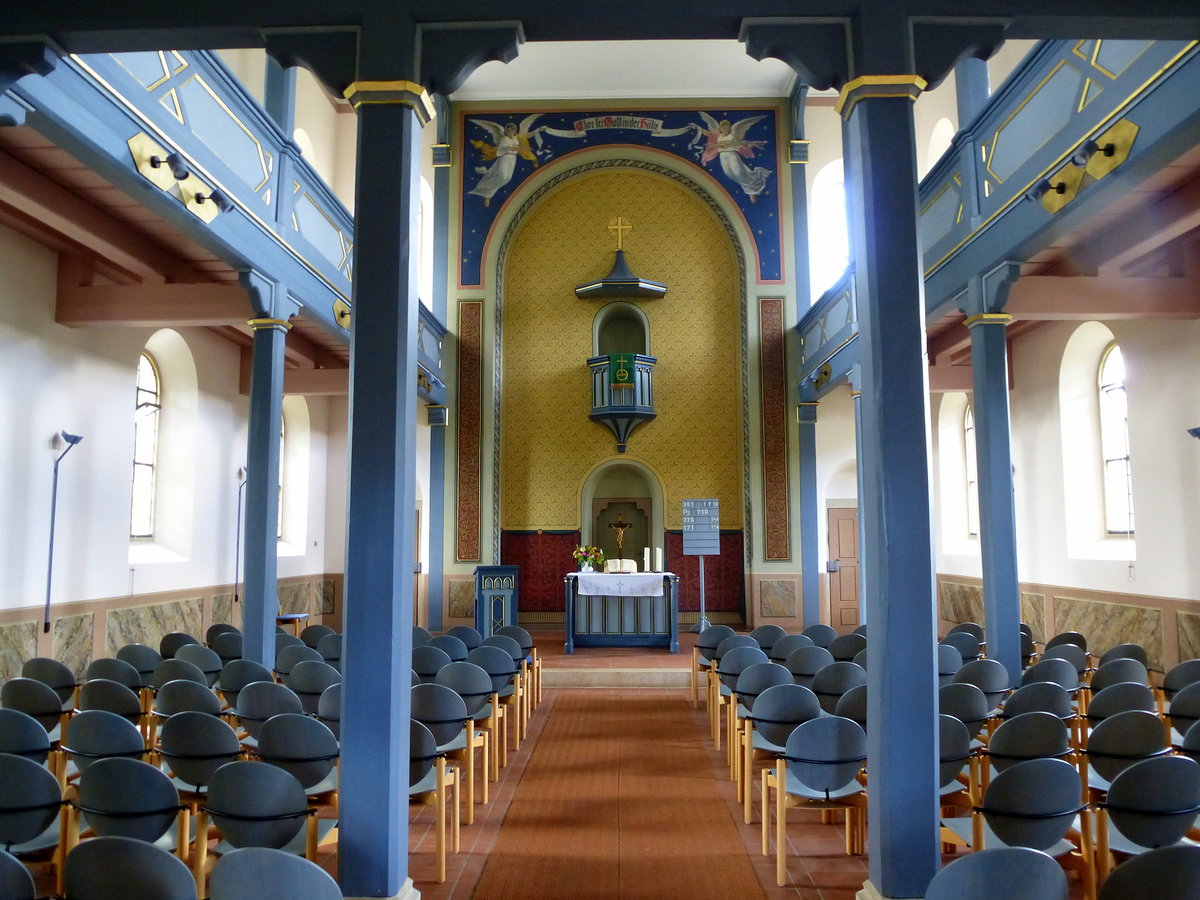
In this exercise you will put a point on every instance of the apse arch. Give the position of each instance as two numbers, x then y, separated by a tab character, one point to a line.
625	482
525	202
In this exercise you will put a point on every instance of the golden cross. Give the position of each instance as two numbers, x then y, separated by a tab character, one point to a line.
619	226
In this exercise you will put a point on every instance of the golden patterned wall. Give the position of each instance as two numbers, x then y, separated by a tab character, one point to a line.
549	444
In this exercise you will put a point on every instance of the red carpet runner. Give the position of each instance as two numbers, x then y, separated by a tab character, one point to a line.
618	801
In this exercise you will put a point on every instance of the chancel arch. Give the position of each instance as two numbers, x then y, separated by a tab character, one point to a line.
556	237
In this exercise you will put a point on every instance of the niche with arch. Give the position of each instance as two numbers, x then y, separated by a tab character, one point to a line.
631	491
620	328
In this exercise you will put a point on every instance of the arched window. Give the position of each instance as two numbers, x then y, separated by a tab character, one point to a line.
1096	473
972	471
146	410
828	233
1114	443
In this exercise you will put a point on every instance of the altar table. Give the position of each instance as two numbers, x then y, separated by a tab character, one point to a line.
639	609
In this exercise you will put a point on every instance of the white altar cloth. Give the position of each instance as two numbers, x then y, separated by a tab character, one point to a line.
621	584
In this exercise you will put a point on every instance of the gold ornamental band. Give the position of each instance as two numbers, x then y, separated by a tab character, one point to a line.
402	93
987	319
278	324
869	86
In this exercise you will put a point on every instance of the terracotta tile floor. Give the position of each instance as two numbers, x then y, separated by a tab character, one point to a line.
818	869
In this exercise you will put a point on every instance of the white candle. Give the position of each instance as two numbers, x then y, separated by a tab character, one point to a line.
658	559
646	559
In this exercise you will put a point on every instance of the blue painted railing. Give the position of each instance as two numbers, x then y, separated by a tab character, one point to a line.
1062	95
987	199
113	110
829	325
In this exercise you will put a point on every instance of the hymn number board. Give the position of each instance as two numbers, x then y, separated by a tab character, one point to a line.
701	528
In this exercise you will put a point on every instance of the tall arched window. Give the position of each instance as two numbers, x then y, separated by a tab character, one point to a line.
282	470
1114	443
828	234
971	467
147	406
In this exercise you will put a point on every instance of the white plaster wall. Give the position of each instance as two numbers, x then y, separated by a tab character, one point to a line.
337	470
318	118
1163	361
82	380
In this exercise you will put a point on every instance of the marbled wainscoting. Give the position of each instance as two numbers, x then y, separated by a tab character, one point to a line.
959	602
1107	624
312	597
461	602
224	610
72	644
147	624
1188	627
776	599
18	642
1033	613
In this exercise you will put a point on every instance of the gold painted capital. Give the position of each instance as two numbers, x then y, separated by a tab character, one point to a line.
401	93
872	86
855	394
277	324
987	319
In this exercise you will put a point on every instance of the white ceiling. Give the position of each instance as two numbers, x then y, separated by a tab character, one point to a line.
589	70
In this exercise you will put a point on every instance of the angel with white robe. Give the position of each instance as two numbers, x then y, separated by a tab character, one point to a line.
728	141
510	141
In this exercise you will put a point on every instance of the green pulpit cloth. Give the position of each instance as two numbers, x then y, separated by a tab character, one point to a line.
620	370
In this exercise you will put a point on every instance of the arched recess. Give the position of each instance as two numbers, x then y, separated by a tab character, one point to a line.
557	176
177	452
620	327
622	487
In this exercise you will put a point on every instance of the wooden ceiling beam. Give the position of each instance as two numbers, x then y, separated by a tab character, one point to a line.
1046	298
59	210
152	305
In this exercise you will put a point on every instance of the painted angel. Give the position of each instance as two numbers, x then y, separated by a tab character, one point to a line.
509	142
728	141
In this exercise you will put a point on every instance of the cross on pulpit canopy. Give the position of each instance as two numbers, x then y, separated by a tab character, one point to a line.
619	226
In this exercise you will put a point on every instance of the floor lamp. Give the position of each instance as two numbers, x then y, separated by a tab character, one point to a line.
71	440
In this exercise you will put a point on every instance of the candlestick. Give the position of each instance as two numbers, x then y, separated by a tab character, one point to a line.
646	559
658	564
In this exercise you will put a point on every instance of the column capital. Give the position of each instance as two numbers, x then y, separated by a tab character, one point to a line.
394	93
873	86
806	413
987	319
986	295
269	324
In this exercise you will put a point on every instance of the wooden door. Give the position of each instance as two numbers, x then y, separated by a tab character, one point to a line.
843	583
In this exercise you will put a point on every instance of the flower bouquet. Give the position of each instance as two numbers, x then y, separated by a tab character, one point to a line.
588	557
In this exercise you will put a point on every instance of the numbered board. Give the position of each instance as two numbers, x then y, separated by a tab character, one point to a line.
701	528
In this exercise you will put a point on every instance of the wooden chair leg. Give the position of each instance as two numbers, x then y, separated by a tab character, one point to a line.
439	823
781	822
200	854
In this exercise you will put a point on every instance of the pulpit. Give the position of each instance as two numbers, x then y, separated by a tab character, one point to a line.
639	609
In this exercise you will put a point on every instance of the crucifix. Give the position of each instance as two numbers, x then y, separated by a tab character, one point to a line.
619	226
620	525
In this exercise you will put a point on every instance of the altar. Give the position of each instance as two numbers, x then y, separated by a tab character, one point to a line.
627	609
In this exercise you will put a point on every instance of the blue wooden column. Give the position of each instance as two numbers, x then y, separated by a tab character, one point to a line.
984	299
970	88
438	416
260	597
894	506
378	616
810	548
798	157
856	399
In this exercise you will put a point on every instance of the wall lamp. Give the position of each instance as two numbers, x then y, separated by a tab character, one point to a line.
1089	149
67	441
175	163
217	196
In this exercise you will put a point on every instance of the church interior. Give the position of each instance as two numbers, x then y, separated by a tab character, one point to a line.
301	330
